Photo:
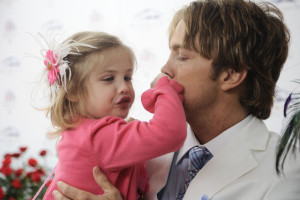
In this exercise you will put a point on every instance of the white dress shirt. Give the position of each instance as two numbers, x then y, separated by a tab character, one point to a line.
215	144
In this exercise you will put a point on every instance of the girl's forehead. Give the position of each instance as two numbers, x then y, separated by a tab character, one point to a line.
115	66
116	59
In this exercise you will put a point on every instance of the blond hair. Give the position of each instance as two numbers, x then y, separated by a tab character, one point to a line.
64	112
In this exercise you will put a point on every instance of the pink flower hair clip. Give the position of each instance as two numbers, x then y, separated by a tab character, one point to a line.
51	67
56	66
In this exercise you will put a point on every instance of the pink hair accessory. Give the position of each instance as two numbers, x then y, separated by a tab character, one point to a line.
51	66
54	55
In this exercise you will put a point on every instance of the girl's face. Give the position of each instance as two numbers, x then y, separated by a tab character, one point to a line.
110	91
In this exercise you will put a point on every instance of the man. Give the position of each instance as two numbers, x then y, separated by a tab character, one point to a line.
228	55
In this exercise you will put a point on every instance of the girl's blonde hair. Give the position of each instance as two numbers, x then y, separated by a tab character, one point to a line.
64	111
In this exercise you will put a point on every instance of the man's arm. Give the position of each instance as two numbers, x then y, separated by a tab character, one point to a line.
67	192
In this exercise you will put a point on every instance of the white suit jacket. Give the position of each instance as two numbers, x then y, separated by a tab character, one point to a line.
242	170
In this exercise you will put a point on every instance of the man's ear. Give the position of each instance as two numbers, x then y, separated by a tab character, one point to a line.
231	79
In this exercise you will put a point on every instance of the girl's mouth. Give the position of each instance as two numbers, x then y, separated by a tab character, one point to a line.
124	101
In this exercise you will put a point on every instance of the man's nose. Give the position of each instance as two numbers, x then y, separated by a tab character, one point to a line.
168	69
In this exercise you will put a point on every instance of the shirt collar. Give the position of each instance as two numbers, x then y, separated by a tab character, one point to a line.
215	144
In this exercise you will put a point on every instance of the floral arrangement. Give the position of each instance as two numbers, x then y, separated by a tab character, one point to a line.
20	181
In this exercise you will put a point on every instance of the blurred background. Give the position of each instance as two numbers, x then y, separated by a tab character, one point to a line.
141	24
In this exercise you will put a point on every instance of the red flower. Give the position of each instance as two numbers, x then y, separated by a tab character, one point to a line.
16	155
11	198
28	174
32	162
36	177
7	155
6	161
41	171
23	149
6	170
16	183
48	183
43	153
2	195
19	172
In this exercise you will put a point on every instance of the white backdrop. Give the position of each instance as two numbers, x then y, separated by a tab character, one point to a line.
141	24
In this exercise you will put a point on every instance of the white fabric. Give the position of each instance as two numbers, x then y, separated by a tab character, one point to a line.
215	144
244	169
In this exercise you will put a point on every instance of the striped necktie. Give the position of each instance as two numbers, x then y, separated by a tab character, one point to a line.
198	157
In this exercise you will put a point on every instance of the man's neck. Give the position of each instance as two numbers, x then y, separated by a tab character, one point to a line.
207	127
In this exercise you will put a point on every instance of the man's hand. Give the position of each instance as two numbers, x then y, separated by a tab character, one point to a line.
67	192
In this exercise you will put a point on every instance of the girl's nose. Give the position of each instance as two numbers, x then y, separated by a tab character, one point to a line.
124	88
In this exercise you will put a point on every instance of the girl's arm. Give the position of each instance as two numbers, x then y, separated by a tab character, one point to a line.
118	144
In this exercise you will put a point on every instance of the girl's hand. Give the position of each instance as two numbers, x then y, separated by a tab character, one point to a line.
130	119
67	192
153	83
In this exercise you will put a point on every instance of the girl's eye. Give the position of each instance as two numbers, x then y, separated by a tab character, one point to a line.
127	78
111	78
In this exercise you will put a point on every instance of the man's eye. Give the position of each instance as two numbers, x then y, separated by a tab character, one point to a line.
111	78
127	78
181	58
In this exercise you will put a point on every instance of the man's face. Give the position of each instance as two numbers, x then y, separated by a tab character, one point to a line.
193	72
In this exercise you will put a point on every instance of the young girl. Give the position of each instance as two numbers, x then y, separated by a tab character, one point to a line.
91	93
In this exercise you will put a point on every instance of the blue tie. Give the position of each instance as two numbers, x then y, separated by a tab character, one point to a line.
198	157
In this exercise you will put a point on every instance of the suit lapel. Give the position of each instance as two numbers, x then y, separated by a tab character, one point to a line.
219	171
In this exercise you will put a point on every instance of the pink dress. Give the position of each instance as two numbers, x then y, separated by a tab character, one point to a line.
120	148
